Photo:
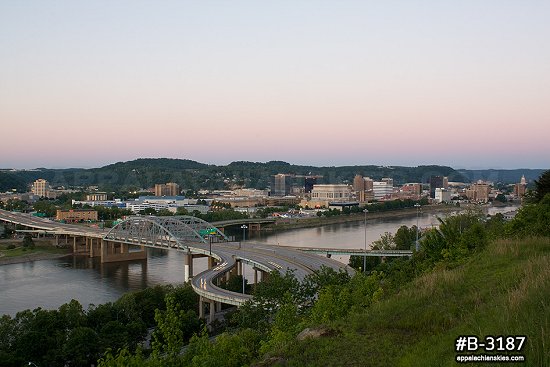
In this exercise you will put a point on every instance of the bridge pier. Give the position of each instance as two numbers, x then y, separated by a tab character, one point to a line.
95	250
113	252
78	243
212	311
213	307
201	308
254	227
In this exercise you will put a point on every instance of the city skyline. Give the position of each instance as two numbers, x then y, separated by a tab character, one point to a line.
86	84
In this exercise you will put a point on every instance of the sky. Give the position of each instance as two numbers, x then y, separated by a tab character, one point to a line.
459	83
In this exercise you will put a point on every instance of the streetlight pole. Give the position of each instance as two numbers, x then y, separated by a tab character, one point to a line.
417	206
365	254
244	227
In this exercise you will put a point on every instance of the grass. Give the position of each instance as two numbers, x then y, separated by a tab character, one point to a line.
504	290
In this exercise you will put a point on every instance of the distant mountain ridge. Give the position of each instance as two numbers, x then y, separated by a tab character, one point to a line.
189	174
501	175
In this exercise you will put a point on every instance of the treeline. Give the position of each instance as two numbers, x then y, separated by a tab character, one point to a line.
374	207
72	336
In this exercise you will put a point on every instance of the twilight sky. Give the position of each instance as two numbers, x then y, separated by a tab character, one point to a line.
460	83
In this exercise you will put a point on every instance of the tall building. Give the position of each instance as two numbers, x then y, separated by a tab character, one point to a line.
309	181
442	195
382	190
388	180
437	182
358	183
363	188
479	192
369	184
520	188
281	184
41	188
168	189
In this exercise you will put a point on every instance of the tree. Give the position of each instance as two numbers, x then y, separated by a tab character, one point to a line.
531	220
164	213
405	237
542	186
371	262
45	206
501	197
28	242
81	347
386	242
148	211
168	336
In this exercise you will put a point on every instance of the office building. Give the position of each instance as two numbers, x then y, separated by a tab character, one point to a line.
41	188
98	196
358	183
413	189
281	184
168	189
331	193
309	181
363	188
479	192
382	190
442	195
76	215
438	182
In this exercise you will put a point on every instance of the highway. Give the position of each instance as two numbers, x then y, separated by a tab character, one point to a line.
261	256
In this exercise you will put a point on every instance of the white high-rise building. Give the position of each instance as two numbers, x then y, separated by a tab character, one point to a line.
41	188
442	195
382	189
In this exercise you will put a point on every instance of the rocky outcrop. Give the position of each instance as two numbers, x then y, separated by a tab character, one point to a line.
317	332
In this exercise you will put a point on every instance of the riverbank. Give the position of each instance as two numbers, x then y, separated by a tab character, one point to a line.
283	224
43	250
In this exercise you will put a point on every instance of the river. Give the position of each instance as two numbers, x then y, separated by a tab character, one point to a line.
50	283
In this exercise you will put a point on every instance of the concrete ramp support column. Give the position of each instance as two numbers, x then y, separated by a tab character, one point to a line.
188	269
212	312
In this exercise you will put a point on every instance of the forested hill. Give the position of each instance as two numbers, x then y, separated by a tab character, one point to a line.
501	175
144	173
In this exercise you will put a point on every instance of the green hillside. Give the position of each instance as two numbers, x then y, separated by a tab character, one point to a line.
503	291
144	173
474	276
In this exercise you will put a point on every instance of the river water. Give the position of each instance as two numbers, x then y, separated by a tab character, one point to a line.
50	283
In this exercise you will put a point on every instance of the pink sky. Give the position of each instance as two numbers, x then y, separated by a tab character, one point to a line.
336	83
